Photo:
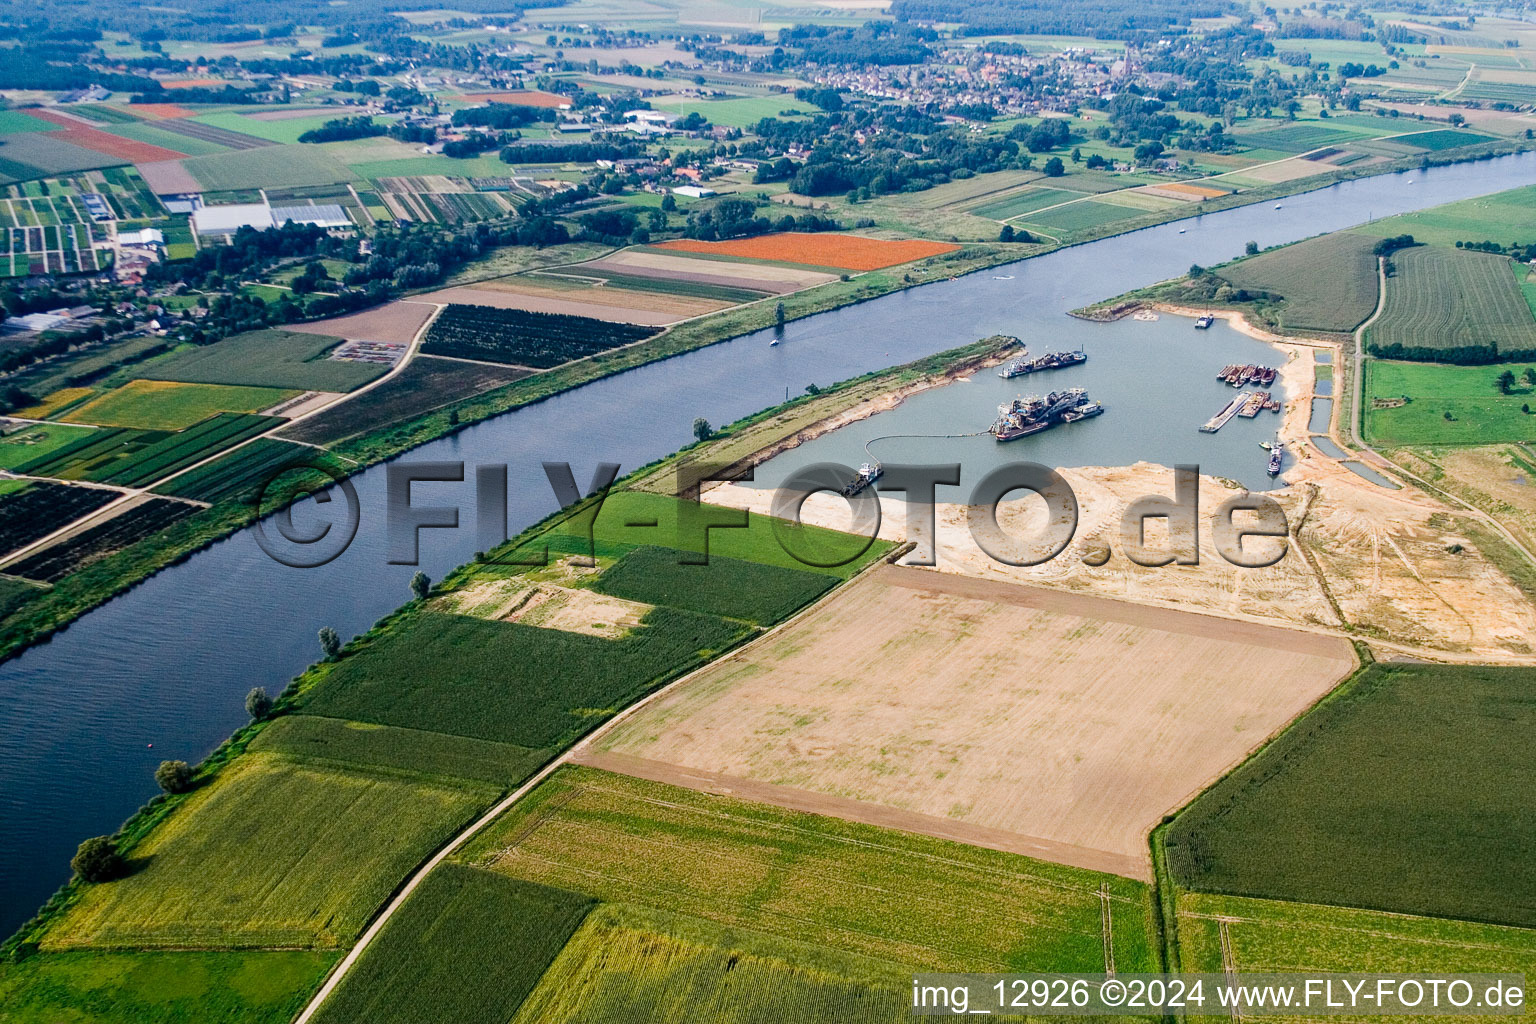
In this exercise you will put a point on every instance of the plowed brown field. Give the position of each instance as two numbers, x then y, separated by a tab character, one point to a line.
821	249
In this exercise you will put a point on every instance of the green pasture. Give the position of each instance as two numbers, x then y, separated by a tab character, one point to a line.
267	167
1326	284
1502	217
1479	412
157	405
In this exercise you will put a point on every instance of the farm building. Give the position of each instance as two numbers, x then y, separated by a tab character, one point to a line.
226	220
325	215
693	191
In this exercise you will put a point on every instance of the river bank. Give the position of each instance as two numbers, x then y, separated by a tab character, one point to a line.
169	663
79	593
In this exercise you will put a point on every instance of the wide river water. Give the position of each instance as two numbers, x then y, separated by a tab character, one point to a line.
161	671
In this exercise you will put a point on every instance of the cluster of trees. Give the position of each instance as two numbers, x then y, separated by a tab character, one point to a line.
1388	246
1465	355
344	128
1506	381
572	152
1108	19
501	116
872	44
1522	251
248	254
734	217
1049	134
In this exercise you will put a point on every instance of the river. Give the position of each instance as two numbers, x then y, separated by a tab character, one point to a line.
161	671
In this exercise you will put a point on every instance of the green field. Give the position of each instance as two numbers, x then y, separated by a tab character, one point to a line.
1480	413
1502	217
33	442
268	358
1445	138
1027	201
1404	792
1295	138
159	988
738	113
508	682
275	852
912	901
1327	283
467	947
133	458
1081	216
141	131
156	405
1265	935
761	594
282	130
436	754
1449	302
267	167
233	476
632	964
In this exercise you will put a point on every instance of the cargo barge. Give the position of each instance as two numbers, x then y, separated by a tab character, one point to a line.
1049	361
1026	416
1237	376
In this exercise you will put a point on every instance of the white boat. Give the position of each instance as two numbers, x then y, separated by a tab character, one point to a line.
1181	231
1277	206
1004	277
774	342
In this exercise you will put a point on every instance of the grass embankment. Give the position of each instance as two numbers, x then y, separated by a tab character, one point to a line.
707	905
1400	793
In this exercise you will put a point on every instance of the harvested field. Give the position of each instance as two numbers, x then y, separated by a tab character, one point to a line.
820	249
133	524
920	693
396	322
1446	301
1193	191
1285	170
596	303
654	264
426	384
167	177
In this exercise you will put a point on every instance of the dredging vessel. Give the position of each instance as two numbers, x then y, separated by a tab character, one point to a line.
867	474
1049	361
1025	416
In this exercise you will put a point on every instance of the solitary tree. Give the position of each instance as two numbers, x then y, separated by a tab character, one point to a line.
1530	376
1005	235
1077	155
701	429
1196	270
1251	249
174	776
1054	168
330	642
778	314
257	704
1507	381
421	585
97	860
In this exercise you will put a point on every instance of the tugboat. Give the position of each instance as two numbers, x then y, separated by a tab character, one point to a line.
1276	457
1204	322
